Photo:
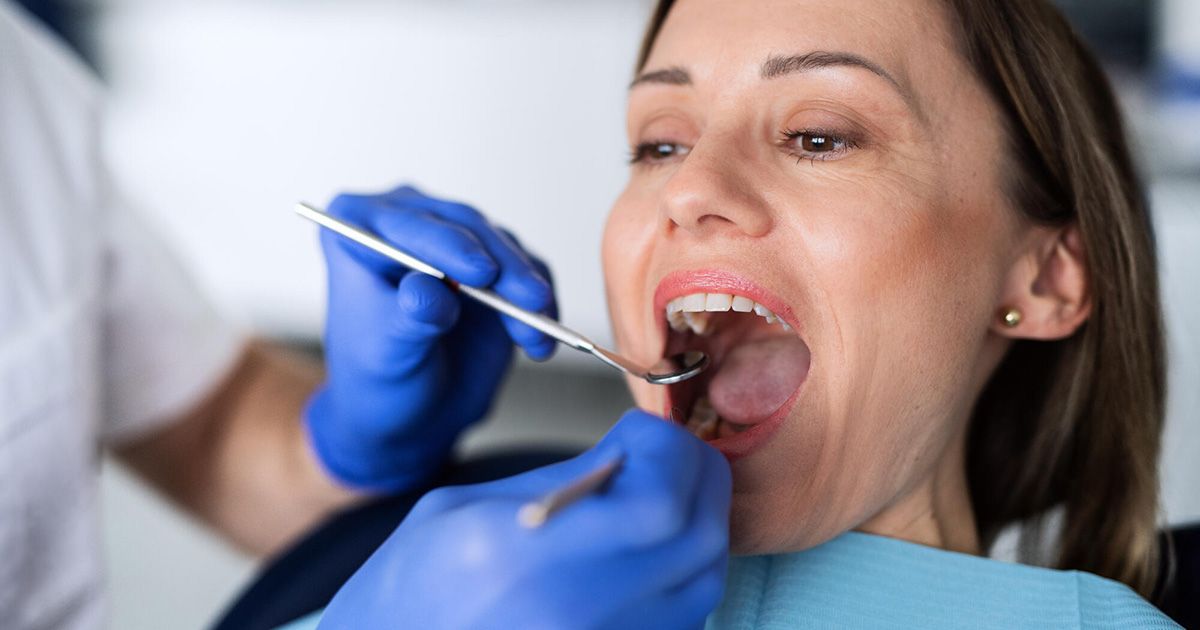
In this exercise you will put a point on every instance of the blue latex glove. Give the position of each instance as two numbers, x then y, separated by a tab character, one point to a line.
648	551
411	363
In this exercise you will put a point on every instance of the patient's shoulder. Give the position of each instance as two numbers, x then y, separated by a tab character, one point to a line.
1104	603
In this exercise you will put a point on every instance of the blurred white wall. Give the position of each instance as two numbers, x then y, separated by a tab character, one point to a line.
225	113
1176	205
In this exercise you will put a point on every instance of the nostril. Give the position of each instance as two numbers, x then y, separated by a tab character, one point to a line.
749	222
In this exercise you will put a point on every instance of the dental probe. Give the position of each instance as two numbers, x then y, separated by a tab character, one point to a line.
670	370
535	513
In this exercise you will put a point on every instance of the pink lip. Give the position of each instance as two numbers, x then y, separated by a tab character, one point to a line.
680	283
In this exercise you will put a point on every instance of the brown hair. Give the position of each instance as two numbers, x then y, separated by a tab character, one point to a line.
1072	424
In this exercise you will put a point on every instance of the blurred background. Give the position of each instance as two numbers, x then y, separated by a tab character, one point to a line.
224	113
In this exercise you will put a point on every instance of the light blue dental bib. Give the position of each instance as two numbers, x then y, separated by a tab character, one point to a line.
864	581
860	581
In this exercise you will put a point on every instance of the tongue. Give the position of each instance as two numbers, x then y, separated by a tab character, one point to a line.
756	378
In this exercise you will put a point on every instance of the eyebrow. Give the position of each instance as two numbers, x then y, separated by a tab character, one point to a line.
778	66
668	76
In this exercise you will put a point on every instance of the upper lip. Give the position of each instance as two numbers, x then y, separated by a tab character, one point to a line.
687	282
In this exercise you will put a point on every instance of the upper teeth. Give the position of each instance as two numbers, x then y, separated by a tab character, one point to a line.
691	311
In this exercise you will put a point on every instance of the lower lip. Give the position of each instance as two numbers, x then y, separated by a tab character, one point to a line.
739	445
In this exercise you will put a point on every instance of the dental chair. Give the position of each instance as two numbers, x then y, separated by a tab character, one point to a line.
1180	584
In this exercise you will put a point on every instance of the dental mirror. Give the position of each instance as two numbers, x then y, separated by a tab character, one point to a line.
670	370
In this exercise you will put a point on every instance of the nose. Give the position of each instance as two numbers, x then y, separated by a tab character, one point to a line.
708	194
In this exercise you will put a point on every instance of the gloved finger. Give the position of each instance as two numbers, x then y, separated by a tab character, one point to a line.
544	269
695	600
538	264
519	280
536	345
674	563
684	608
649	500
685	572
418	313
544	350
359	211
449	246
705	539
518	489
452	248
425	307
482	359
655	486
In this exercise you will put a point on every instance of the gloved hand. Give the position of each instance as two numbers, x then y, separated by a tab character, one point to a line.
411	363
649	550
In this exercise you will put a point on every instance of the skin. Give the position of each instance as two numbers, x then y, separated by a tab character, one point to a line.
896	251
244	445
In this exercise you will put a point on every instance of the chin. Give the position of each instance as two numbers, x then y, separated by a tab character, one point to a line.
782	491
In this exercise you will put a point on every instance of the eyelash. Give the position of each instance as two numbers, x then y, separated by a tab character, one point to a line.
643	153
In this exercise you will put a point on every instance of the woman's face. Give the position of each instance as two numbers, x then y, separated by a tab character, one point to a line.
836	163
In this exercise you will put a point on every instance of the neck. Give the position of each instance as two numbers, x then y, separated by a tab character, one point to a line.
937	511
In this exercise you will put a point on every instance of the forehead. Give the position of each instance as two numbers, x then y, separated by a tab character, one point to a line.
727	40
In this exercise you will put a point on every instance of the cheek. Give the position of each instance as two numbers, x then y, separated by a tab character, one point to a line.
908	265
626	251
625	254
912	302
647	397
618	267
903	275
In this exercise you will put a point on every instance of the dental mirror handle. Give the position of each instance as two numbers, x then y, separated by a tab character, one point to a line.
534	514
529	318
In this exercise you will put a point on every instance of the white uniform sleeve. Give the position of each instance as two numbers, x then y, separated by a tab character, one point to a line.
165	346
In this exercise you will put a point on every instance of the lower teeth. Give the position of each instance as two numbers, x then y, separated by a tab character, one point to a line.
704	422
707	430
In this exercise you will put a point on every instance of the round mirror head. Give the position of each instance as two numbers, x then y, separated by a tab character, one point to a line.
678	368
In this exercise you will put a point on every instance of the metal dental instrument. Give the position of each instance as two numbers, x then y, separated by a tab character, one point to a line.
670	370
535	513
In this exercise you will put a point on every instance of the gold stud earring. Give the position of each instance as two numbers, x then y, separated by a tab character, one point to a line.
1012	318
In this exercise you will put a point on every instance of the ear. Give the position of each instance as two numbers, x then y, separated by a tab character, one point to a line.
1049	287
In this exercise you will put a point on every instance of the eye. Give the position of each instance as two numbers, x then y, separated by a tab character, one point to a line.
818	144
813	144
656	152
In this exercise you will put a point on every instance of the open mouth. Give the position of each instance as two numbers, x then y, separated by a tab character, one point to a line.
758	361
